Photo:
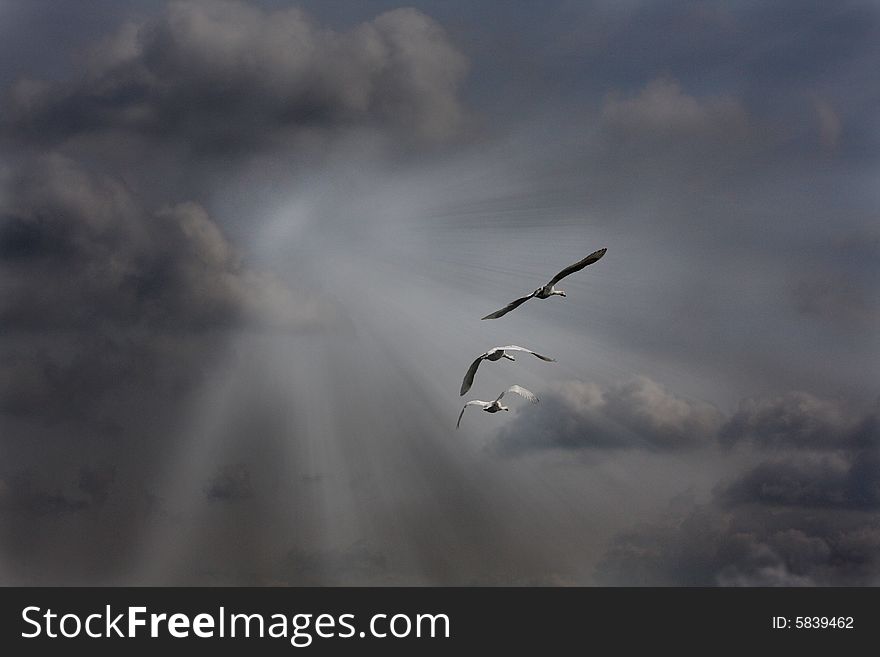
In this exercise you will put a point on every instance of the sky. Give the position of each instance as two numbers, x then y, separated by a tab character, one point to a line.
245	248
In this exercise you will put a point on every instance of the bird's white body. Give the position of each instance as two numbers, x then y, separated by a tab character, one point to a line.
549	290
497	353
494	354
496	405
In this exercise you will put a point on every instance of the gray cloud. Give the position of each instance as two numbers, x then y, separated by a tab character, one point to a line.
712	546
55	521
639	413
224	76
356	563
799	419
23	494
834	297
116	311
78	250
802	481
29	497
801	510
797	518
94	379
642	413
231	483
840	291
661	113
96	482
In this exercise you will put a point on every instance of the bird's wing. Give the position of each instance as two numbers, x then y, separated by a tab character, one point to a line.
513	347
473	402
589	260
522	392
469	377
510	306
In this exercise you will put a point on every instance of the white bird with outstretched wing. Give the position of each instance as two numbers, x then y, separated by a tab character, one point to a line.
493	354
549	290
496	405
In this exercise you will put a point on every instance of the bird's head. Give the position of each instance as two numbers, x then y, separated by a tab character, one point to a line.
561	293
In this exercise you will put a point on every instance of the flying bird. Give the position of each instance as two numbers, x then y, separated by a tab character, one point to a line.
549	290
495	406
495	353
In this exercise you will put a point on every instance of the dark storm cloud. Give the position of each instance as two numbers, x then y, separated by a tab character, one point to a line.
800	511
79	250
639	413
799	419
802	481
21	494
642	413
116	310
356	563
231	483
842	290
64	382
798	518
834	297
93	379
225	76
711	546
96	482
68	524
28	493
